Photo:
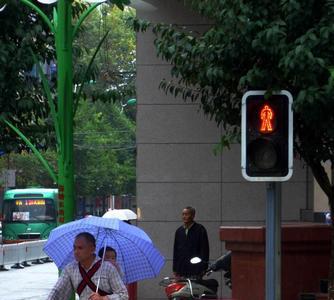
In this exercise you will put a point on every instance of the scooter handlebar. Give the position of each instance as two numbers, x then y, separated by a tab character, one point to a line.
223	263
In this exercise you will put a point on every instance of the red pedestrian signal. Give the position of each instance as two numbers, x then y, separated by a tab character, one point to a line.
267	116
267	136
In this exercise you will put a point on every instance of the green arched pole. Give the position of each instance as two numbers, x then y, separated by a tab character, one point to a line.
64	36
64	31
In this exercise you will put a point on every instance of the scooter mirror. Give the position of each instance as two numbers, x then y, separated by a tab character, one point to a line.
195	260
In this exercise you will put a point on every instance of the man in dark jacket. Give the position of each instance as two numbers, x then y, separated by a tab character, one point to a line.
191	240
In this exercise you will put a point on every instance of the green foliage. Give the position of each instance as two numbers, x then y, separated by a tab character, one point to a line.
21	99
104	151
105	139
120	3
104	143
29	171
112	76
270	45
104	148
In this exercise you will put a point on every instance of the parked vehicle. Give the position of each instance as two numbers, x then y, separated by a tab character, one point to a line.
198	288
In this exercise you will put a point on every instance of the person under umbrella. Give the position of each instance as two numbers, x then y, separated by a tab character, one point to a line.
110	255
91	279
137	256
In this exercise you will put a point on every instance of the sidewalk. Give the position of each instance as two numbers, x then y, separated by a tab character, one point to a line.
30	283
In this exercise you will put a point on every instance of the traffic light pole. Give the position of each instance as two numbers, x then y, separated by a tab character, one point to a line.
267	156
273	241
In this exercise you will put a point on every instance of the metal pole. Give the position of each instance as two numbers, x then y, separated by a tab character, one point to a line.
273	241
65	113
65	110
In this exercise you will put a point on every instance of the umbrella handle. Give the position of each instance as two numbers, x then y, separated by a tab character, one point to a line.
98	282
104	253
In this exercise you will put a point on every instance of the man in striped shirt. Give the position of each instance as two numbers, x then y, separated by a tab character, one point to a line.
82	275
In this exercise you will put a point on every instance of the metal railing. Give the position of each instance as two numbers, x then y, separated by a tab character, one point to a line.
19	254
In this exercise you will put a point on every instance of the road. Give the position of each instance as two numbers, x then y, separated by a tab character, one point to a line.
30	283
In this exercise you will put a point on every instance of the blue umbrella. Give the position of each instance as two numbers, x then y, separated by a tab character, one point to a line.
136	255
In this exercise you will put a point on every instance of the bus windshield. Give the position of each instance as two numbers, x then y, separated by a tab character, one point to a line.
27	210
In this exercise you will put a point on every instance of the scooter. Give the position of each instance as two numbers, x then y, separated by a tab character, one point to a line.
189	288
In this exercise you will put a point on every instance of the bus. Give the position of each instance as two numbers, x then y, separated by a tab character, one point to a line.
28	214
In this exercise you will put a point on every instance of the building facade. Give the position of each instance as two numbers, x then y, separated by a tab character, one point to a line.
177	167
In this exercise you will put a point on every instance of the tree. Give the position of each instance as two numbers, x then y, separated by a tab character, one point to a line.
104	151
104	148
28	170
21	100
113	72
104	137
260	45
116	165
22	33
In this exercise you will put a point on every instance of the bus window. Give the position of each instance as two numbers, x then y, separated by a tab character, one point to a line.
29	210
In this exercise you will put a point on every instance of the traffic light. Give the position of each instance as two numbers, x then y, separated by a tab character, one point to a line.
266	136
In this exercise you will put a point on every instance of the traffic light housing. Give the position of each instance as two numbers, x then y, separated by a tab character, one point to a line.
266	136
